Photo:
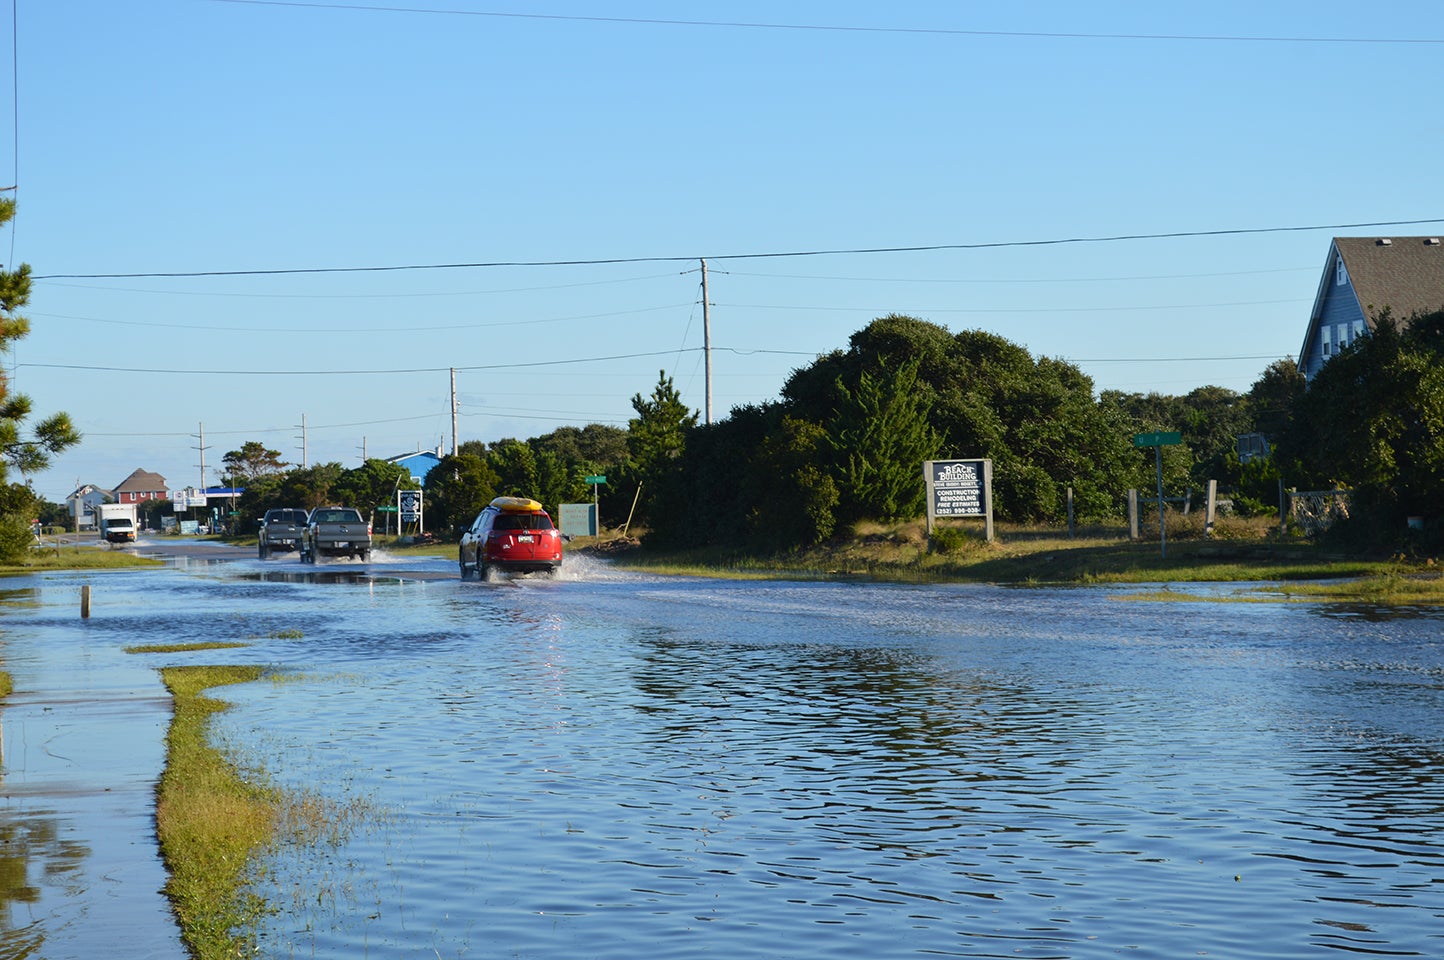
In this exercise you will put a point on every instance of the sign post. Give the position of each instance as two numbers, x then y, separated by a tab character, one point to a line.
959	488
1158	440
411	506
595	483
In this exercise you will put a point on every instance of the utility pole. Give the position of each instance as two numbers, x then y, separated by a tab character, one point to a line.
304	464
202	448
707	342
454	448
363	451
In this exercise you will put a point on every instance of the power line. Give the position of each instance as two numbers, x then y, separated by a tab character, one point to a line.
365	296
737	351
604	261
1069	309
410	328
832	28
348	373
1027	280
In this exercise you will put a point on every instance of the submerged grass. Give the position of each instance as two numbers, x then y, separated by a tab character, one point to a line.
184	647
209	818
214	819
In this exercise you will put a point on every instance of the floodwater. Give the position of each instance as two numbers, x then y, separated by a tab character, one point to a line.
619	766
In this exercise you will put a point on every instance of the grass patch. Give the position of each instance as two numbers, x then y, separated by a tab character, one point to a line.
213	819
1037	555
1390	588
210	820
184	647
73	555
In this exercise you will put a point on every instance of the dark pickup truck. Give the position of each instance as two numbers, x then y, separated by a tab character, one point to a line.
281	529
336	532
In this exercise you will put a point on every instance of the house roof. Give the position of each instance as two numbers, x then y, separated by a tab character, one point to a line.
141	481
1405	274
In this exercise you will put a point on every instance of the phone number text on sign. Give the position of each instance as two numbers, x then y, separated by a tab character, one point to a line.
958	489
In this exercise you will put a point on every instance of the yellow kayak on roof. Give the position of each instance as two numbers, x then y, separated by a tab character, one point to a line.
516	504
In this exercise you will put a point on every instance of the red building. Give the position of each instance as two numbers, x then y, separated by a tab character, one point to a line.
141	485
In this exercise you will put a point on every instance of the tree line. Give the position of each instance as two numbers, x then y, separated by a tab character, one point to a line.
845	440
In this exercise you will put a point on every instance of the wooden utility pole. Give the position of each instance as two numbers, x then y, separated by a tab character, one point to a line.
707	341
201	439
304	464
454	448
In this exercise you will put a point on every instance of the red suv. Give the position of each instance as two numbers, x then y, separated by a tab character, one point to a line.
512	533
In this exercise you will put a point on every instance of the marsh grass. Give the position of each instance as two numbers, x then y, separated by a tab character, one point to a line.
72	555
184	647
1247	550
210	819
215	818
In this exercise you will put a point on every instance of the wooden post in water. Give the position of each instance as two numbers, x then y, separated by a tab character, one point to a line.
85	601
1209	511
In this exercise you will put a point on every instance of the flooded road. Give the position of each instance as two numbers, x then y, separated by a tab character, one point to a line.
614	766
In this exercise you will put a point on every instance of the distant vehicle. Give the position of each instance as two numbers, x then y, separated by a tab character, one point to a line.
512	533
117	522
281	529
336	532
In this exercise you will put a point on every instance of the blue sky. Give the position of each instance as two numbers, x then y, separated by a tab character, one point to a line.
207	136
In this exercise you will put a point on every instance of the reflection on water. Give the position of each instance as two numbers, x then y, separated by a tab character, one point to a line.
615	766
33	854
599	768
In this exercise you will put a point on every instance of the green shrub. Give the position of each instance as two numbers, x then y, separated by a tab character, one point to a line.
15	538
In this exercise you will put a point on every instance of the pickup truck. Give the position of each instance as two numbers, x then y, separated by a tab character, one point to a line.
336	532
281	529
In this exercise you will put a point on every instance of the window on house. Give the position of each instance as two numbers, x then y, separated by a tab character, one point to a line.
1326	340
1341	276
1343	335
1358	329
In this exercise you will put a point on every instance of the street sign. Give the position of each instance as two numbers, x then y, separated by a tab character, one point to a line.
1158	440
385	509
596	479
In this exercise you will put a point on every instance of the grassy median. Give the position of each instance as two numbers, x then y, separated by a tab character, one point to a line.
210	819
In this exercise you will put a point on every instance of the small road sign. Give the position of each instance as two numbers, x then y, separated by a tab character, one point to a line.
1157	439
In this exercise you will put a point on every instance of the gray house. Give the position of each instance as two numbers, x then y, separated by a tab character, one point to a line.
82	502
1362	276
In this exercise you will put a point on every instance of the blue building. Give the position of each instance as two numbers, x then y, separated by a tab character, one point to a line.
1362	277
419	464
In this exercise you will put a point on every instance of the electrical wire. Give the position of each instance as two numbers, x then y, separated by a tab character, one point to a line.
832	28
920	248
350	373
350	329
361	296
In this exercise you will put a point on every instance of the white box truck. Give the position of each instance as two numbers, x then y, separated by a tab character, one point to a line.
117	522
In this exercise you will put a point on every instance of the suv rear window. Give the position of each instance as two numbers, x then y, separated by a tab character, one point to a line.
522	521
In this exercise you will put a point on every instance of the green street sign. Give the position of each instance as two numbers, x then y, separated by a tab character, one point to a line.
1160	439
385	509
597	479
